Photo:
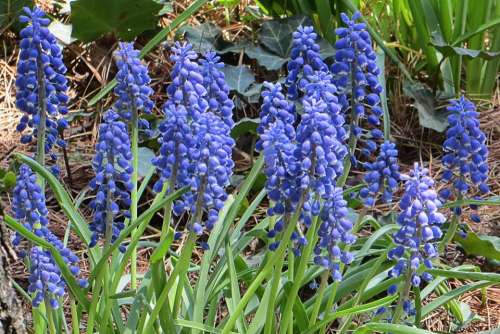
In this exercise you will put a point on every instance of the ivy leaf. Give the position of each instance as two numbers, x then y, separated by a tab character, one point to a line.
204	37
125	18
238	78
265	58
276	35
424	103
245	125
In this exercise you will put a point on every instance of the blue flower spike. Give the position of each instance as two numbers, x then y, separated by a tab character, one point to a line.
45	279
132	89
355	73
112	181
420	228
41	83
382	175
466	154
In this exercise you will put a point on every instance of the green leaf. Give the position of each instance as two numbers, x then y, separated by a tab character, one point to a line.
447	50
245	125
238	78
9	180
265	58
424	103
159	37
203	37
435	303
276	35
482	245
389	328
125	18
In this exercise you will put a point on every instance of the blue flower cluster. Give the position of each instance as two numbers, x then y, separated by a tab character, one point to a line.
320	154
29	208
420	227
173	162
212	165
112	181
187	86
196	146
466	158
41	84
334	232
356	76
28	205
217	88
304	60
132	87
382	174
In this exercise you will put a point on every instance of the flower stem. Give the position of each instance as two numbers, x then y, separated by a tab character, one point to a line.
402	297
42	116
133	194
297	280
452	230
50	317
319	298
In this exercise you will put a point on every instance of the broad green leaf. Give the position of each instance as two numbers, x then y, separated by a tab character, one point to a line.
245	125
481	245
276	35
428	116
265	58
125	18
157	39
435	303
238	78
203	37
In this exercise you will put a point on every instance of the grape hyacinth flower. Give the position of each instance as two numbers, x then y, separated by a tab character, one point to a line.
132	87
212	164
356	73
29	209
420	227
466	153
173	162
112	181
334	233
28	205
305	59
382	175
217	88
45	278
187	87
320	154
41	84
